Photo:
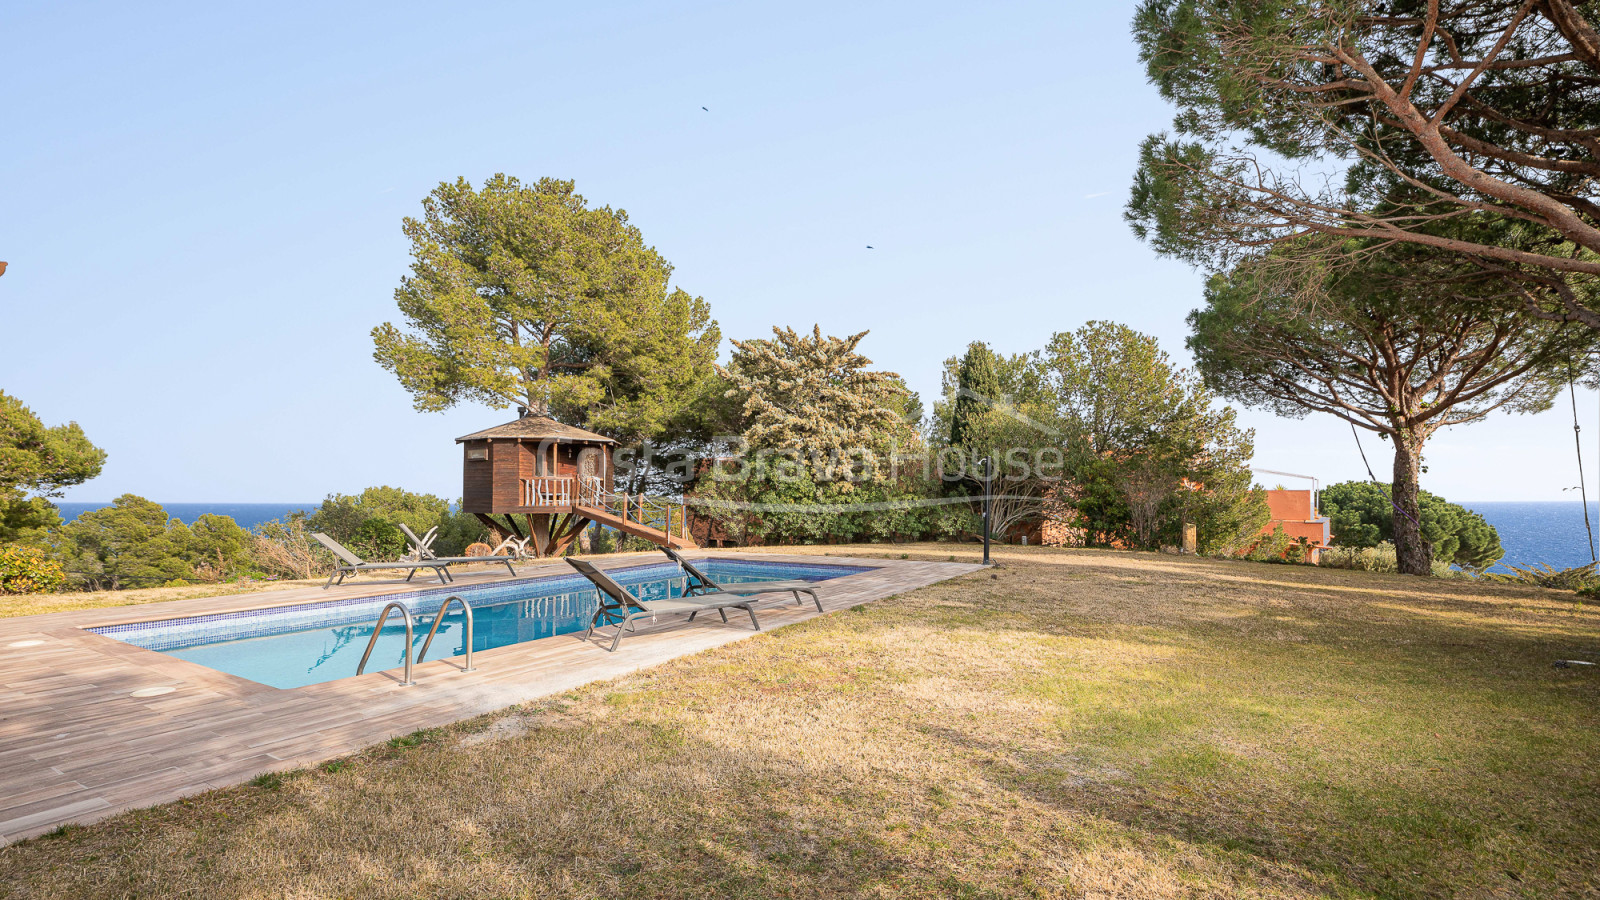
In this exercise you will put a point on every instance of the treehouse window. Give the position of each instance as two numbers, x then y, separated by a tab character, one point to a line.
477	453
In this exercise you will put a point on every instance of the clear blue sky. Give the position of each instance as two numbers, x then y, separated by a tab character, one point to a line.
201	207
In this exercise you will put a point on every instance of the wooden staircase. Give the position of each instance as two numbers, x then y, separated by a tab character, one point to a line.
660	521
657	536
557	508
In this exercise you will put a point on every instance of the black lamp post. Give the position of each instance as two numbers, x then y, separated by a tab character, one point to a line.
988	475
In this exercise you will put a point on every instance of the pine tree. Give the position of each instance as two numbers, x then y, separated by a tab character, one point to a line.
977	390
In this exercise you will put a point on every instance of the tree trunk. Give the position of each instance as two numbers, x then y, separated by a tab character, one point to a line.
539	527
1414	554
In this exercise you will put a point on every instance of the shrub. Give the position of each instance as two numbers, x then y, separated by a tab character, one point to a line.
1577	578
1379	558
219	547
1362	515
1296	552
1277	547
341	516
376	539
28	570
458	531
285	549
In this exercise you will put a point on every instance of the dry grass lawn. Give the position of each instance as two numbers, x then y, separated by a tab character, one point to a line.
35	604
1073	724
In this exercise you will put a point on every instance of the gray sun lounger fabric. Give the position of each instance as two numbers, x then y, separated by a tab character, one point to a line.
440	566
353	563
703	583
618	605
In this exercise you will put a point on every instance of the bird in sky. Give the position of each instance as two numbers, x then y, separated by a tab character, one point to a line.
869	246
707	110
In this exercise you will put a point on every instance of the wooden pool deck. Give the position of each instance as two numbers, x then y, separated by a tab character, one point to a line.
77	745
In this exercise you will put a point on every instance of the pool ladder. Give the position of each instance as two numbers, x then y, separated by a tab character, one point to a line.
405	613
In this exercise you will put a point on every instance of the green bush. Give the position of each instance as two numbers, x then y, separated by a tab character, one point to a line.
342	515
805	511
376	539
457	532
219	548
1296	552
132	543
1362	515
28	570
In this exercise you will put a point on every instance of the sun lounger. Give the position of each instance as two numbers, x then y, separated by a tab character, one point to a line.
353	563
421	547
440	565
701	583
618	605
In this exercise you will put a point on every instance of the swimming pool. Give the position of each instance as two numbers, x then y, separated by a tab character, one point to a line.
293	646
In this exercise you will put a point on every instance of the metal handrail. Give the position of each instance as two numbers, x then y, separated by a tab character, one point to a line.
440	618
383	617
665	515
591	490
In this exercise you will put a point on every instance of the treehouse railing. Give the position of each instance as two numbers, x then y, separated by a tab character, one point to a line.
662	514
547	490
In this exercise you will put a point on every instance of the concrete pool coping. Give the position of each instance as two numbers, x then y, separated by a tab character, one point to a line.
76	745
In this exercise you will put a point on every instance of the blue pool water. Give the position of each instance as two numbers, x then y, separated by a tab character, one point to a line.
315	642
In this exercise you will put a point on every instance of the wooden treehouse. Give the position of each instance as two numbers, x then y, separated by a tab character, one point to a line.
535	477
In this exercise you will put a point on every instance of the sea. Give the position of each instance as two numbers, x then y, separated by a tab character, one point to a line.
1550	533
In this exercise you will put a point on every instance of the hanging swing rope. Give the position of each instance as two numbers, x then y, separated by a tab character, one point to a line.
1374	478
1577	440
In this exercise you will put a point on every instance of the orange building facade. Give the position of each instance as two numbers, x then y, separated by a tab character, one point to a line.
1296	513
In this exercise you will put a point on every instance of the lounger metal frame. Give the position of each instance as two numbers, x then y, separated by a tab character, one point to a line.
619	607
703	583
439	565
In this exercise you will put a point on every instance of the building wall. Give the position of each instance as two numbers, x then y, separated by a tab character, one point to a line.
1290	506
1293	512
508	458
477	479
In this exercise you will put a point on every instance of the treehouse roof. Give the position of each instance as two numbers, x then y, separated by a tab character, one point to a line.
536	427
